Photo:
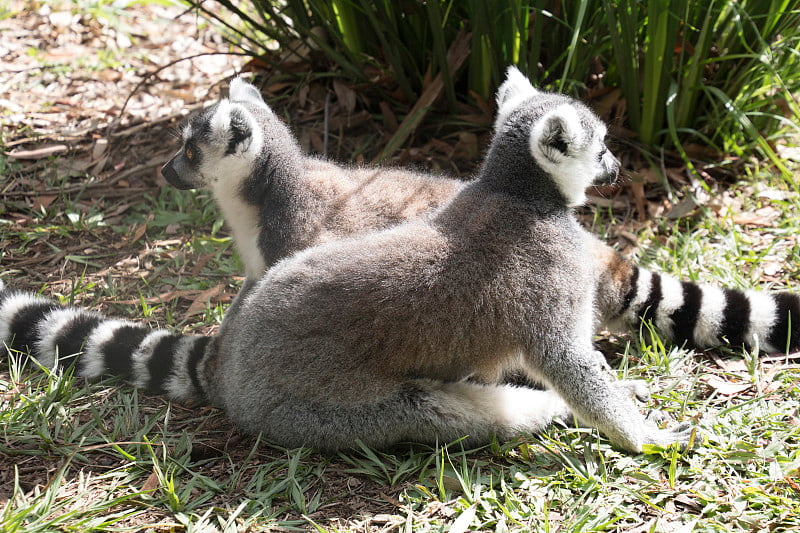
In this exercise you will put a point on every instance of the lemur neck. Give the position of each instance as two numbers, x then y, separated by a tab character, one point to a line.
242	218
511	170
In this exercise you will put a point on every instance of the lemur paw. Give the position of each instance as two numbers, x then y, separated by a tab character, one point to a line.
601	361
656	417
680	434
636	388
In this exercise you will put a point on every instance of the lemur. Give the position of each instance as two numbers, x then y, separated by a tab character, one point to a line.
372	337
278	200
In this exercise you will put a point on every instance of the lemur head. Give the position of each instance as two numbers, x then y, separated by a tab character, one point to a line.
565	138
220	143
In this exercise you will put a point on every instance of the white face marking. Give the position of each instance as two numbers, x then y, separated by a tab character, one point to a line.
228	171
221	123
577	166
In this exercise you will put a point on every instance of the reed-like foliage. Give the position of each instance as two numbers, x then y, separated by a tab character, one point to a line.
722	72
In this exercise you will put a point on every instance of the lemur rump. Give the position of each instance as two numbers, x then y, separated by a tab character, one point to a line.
278	201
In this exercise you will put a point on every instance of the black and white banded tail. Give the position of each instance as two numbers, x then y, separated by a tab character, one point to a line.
704	316
154	360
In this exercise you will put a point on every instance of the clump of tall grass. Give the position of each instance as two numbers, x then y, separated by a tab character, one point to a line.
722	73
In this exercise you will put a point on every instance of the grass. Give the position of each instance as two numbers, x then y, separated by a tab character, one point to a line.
102	456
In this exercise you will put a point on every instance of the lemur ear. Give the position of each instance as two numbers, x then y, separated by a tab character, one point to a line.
557	130
231	128
241	91
241	132
512	92
220	122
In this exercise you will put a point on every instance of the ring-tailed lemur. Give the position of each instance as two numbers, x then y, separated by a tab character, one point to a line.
371	338
278	201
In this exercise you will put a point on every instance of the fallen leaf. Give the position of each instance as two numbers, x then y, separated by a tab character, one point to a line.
760	217
43	201
775	194
389	118
681	209
345	95
200	264
99	149
725	387
138	233
199	303
151	483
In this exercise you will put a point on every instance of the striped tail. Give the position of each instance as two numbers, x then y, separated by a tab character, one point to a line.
155	360
703	316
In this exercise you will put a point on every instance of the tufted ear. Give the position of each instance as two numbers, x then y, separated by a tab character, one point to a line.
511	93
558	130
231	127
241	91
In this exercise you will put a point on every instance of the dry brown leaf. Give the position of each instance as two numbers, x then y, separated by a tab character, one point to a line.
389	118
725	387
99	149
760	217
43	201
138	233
151	483
637	189
163	297
200	264
345	96
199	303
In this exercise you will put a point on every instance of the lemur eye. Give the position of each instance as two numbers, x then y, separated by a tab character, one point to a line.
189	154
602	153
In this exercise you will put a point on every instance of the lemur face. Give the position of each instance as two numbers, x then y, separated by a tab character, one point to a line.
220	143
566	139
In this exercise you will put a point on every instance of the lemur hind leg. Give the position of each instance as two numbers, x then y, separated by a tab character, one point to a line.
420	411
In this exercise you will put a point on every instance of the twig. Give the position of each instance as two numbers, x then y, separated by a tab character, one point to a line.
150	75
147	123
89	186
